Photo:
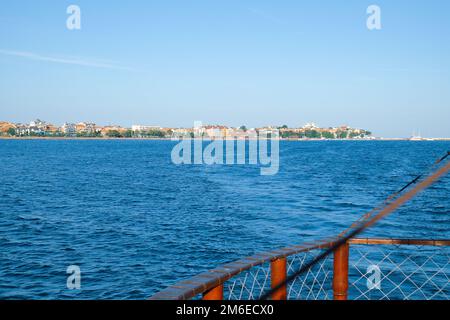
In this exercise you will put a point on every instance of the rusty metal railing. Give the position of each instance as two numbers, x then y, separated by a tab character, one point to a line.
416	269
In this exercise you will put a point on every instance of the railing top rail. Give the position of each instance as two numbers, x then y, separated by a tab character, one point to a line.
418	242
208	280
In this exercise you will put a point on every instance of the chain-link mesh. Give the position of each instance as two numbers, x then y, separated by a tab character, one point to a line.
248	285
399	272
313	285
316	283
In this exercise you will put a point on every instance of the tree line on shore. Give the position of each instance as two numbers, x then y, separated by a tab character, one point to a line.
325	134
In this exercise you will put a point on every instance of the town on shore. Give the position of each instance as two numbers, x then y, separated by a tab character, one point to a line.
43	129
309	131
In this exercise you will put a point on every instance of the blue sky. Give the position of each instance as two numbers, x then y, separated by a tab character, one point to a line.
233	62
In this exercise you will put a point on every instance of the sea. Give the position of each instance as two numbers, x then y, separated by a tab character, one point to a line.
134	222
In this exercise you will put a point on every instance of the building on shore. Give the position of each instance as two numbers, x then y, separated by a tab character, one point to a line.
7	128
140	128
69	129
86	128
214	131
182	133
115	131
21	129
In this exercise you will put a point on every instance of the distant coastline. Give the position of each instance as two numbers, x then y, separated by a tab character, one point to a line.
42	130
170	139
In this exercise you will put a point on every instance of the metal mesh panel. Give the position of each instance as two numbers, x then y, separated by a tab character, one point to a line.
316	283
313	285
248	285
405	272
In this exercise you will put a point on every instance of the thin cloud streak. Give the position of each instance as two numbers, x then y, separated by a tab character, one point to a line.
64	60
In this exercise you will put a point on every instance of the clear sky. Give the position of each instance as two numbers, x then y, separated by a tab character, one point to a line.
231	62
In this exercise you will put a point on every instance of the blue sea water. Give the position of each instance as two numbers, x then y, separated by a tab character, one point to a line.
134	222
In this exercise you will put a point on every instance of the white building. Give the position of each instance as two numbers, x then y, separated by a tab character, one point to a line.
310	125
69	129
22	129
37	127
144	128
38	123
85	127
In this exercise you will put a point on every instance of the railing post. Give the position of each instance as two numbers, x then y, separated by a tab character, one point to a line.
278	273
340	272
214	294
